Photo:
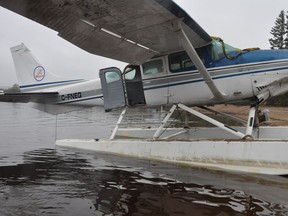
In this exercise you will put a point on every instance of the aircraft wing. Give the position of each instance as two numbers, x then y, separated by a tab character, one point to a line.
27	97
128	30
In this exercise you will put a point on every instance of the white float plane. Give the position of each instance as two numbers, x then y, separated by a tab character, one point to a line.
172	59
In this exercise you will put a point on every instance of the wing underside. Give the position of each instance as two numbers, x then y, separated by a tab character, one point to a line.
128	30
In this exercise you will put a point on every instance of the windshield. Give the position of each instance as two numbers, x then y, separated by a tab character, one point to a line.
220	50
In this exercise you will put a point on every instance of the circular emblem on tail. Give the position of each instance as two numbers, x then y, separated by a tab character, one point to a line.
39	73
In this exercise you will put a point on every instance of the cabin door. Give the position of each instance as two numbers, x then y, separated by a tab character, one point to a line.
112	88
134	85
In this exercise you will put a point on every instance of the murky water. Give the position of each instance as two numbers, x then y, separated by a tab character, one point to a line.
38	179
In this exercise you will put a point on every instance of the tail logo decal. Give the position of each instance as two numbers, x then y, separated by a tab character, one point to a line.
39	73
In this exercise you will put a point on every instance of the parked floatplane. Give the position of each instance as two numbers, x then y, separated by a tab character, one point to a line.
172	61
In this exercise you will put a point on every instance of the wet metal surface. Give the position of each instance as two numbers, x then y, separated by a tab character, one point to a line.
38	179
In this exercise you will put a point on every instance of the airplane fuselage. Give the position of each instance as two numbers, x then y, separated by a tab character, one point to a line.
241	77
86	92
238	79
174	79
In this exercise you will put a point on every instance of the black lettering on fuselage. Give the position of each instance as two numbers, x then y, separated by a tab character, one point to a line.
71	96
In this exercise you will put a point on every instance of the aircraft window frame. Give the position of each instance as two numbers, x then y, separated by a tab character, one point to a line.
180	62
154	67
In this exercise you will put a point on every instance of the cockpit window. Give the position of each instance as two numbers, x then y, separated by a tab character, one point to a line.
219	49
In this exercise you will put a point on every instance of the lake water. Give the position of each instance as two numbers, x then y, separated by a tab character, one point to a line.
36	178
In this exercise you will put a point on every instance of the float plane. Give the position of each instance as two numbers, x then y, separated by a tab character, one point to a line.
171	58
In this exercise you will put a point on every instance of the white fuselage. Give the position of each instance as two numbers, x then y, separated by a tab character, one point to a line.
81	92
167	79
237	83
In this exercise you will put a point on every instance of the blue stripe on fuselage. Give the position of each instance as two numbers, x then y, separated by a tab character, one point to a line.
51	83
253	72
215	78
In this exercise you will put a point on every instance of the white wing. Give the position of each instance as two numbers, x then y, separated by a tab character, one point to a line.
128	30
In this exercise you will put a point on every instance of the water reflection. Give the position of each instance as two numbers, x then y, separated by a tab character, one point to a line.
60	182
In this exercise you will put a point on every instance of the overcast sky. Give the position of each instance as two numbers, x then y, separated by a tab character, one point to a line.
241	23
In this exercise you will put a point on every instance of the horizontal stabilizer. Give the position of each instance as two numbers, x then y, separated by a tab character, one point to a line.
27	97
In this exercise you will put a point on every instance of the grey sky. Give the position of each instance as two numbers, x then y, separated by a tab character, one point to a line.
243	24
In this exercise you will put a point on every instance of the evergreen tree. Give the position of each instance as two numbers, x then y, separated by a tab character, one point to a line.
286	27
279	32
279	41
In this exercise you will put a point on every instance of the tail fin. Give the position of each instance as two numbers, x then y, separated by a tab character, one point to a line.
30	73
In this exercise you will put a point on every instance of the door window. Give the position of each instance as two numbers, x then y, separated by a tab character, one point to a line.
153	67
112	77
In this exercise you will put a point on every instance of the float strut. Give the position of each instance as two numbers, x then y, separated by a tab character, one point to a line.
251	120
159	130
212	121
200	115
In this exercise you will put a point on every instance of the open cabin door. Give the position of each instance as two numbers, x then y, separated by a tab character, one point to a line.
134	85
112	88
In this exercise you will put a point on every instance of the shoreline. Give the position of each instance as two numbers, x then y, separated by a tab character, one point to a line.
278	116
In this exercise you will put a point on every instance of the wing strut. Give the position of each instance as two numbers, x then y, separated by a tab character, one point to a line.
187	45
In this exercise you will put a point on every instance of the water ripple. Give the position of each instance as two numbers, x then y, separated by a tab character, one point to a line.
61	182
